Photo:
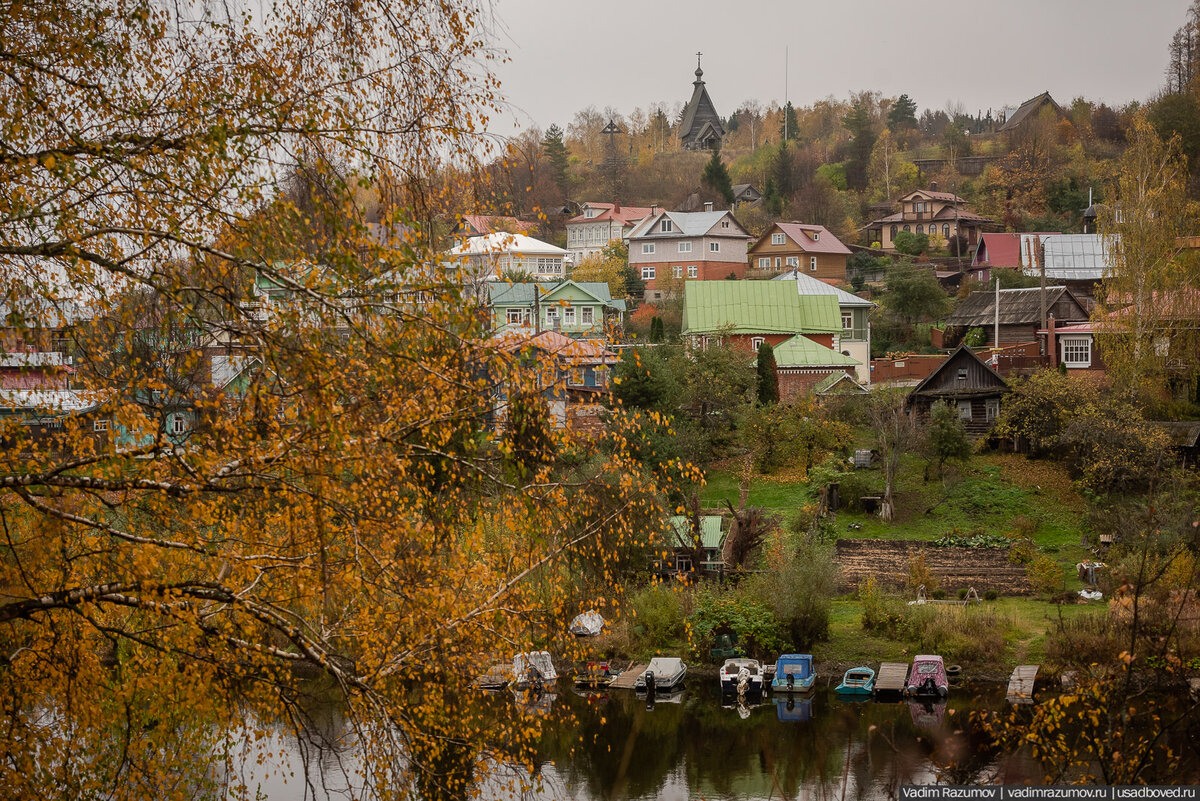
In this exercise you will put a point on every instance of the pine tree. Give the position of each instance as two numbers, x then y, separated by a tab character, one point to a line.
768	376
787	128
717	177
555	151
903	113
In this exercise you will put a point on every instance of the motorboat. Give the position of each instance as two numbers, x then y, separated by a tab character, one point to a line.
741	675
664	673
927	677
790	709
857	681
587	624
595	675
534	670
794	674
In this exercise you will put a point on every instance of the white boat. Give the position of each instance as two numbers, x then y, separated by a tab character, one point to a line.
664	673
534	669
588	624
741	675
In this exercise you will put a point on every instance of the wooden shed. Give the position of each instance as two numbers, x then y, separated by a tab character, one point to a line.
1020	312
968	384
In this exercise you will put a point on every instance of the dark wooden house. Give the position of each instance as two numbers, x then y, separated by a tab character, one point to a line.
1020	313
968	384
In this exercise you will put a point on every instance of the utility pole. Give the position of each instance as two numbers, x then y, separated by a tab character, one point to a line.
785	94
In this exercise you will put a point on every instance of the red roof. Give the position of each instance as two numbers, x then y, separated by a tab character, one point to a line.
482	223
998	250
812	238
557	344
626	214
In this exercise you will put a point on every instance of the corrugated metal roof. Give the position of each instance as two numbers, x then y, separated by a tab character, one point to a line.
757	307
800	351
1017	306
502	242
807	285
1073	257
710	530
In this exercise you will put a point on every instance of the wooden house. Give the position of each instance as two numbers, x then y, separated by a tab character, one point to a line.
1029	111
1020	313
684	550
928	212
968	384
811	249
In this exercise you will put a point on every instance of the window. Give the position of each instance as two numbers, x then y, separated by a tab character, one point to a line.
100	424
589	213
992	408
177	423
513	316
920	228
764	263
816	236
812	263
778	261
679	271
665	226
962	374
685	247
569	315
724	223
692	271
648	272
575	378
714	247
793	261
552	266
587	315
756	342
946	230
1077	352
964	410
551	315
847	321
777	239
647	248
908	228
894	232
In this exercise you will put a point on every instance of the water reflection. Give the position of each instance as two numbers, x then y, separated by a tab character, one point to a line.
614	744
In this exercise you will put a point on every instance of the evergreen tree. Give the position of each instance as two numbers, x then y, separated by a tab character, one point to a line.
858	123
656	329
903	113
768	376
787	128
556	153
717	177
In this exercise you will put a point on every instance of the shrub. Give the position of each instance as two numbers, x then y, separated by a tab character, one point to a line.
1085	640
1045	575
1024	526
1022	551
853	486
739	612
798	593
991	595
659	611
939	595
880	614
975	337
962	593
958	633
918	574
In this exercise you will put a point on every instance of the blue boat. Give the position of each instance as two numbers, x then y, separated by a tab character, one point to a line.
794	710
794	674
857	681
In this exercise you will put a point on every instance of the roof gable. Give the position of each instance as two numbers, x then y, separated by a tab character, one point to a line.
944	380
809	238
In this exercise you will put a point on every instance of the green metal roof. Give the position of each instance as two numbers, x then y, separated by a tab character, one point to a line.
845	384
801	351
757	307
710	530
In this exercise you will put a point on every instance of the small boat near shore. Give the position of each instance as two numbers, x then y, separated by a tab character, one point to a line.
927	677
857	681
588	624
534	670
794	673
663	674
741	675
594	675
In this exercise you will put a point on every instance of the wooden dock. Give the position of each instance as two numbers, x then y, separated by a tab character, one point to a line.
891	677
628	677
1020	684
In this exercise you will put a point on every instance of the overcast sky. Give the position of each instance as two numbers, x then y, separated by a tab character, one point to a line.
568	54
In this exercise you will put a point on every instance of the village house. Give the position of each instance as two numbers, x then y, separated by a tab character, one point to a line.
599	224
797	246
671	247
928	212
1018	119
683	550
482	259
575	309
1020	315
968	384
1078	261
855	338
803	330
701	128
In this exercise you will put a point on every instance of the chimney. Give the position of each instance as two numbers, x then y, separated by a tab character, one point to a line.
708	206
617	207
653	209
933	186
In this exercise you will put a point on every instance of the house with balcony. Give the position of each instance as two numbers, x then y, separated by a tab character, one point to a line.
671	247
928	211
855	338
811	249
580	310
599	224
482	259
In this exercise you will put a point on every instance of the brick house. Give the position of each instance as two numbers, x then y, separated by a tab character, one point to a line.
671	247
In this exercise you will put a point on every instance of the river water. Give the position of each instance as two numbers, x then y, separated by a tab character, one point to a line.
614	745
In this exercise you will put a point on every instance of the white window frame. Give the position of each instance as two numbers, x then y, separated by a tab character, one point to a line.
551	315
665	226
816	236
647	248
513	315
964	410
714	247
764	262
100	424
991	408
847	320
177	423
812	263
778	262
569	315
1071	350
587	315
693	271
793	261
678	270
685	247
756	343
648	272
778	239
